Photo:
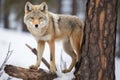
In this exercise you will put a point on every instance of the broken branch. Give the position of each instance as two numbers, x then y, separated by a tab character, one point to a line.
35	52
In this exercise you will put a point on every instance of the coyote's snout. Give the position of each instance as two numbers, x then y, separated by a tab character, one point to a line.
47	27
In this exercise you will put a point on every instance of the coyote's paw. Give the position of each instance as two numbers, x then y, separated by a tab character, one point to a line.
33	67
52	70
65	71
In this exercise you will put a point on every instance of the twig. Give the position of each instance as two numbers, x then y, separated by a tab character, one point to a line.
35	52
7	57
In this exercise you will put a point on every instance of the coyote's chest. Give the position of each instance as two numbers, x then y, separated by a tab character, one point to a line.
45	37
40	33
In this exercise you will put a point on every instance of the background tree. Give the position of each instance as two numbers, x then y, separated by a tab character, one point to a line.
98	52
118	32
0	9
17	7
74	7
6	19
6	13
59	2
0	4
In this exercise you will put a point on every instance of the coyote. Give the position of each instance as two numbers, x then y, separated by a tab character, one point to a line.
48	27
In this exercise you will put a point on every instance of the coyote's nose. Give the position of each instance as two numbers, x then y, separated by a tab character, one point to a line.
36	25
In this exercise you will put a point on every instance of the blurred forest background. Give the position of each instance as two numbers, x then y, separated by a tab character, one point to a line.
12	12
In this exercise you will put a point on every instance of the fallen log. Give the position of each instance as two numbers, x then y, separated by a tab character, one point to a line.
28	74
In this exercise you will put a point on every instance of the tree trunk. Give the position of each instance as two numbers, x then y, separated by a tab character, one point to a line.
59	2
0	2
6	20
0	5
0	10
74	7
98	51
24	27
118	30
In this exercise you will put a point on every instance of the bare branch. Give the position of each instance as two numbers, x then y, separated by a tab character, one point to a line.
7	57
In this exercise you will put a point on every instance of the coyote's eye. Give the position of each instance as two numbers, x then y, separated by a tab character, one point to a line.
40	18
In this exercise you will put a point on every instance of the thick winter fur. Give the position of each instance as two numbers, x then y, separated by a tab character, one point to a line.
48	27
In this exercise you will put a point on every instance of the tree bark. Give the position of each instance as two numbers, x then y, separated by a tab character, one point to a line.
98	50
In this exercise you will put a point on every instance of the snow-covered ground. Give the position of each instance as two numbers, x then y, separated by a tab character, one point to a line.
23	57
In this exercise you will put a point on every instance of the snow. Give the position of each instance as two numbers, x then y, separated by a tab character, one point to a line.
62	76
23	57
117	68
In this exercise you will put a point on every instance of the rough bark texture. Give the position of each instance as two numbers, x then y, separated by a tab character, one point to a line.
98	50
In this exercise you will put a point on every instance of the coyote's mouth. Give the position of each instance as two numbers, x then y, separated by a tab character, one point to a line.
39	31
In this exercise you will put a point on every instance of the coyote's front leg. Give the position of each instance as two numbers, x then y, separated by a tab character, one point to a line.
40	49
52	56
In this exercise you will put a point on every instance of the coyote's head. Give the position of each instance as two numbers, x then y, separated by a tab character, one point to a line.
36	17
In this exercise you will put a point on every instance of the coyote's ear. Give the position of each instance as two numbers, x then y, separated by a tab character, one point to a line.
43	7
28	7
